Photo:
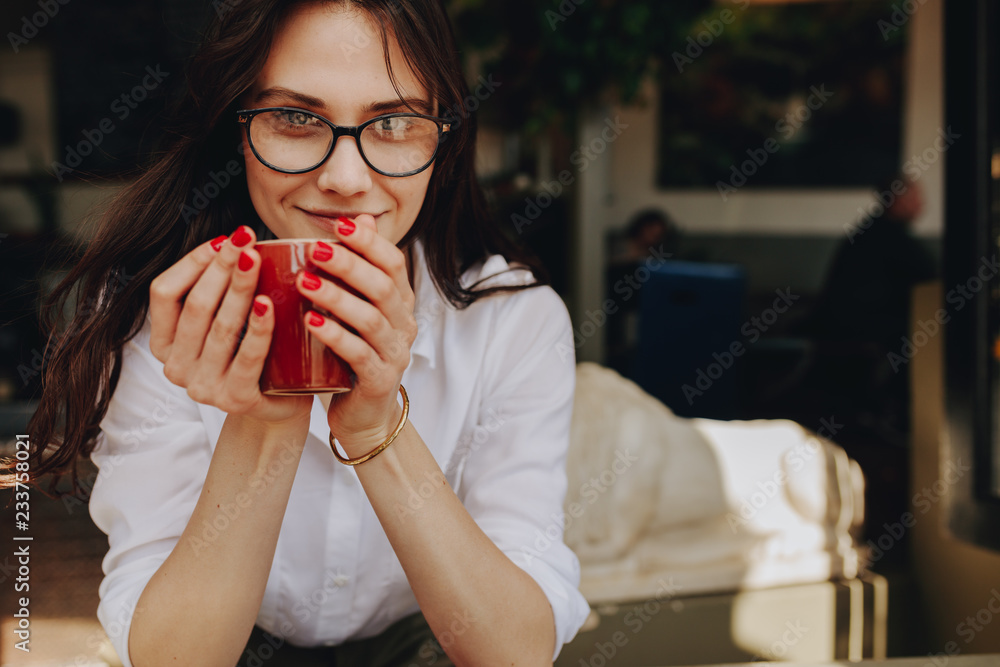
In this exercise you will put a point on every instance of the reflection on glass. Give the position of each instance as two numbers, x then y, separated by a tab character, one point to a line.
994	319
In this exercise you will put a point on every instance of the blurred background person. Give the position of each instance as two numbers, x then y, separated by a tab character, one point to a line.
648	233
857	331
862	315
647	230
866	294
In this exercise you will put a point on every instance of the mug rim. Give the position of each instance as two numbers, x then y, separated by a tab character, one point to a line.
294	241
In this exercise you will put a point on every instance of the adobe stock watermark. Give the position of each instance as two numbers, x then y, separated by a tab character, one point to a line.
941	658
913	168
958	296
31	369
696	44
902	12
223	7
922	502
967	629
635	620
973	625
484	91
587	494
364	35
7	569
432	650
424	315
115	628
752	330
626	286
31	25
796	459
790	637
791	123
213	186
581	158
563	11
435	481
130	441
307	605
304	608
230	512
121	108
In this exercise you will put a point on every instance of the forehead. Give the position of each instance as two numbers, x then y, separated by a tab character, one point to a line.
335	54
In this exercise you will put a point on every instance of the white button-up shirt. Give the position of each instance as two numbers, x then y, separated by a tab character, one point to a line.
491	394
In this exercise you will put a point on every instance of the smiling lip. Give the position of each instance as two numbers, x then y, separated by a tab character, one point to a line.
328	219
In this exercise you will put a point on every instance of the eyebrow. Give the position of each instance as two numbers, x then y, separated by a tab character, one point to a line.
285	93
387	106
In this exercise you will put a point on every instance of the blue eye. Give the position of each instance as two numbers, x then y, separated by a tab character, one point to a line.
297	117
397	124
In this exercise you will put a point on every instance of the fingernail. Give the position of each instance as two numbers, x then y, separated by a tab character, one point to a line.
217	242
246	262
310	281
259	309
241	237
315	319
322	252
346	227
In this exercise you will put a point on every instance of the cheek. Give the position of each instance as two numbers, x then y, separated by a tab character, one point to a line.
419	189
267	194
257	190
409	194
417	195
266	187
254	178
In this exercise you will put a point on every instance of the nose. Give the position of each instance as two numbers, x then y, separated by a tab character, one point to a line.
345	171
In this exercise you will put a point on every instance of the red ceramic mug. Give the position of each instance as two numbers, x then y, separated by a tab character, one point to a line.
297	362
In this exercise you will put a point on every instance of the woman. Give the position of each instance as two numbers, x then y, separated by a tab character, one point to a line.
226	511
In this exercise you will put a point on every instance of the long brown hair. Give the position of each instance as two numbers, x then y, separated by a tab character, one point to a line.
171	208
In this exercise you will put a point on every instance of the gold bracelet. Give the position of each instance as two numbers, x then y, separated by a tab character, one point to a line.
375	452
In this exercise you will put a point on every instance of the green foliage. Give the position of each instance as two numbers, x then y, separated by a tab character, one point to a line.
556	56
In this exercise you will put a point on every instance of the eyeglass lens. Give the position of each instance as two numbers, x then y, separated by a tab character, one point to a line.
295	140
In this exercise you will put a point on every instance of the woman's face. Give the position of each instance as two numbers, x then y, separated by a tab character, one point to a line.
330	61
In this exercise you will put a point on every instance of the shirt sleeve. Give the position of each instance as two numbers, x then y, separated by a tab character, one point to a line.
152	457
514	479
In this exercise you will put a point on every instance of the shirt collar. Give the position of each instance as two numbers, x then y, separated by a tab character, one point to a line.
430	307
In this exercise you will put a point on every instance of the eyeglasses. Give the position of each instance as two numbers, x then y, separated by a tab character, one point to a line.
295	141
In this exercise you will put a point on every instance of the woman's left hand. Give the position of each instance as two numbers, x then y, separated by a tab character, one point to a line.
379	352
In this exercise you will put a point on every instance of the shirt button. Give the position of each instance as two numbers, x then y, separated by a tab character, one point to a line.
341	580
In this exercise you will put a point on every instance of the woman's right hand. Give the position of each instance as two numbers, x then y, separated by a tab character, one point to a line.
198	308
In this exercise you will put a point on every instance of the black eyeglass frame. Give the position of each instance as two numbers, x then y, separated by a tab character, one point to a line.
244	116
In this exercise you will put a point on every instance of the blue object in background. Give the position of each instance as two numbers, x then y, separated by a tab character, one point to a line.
690	315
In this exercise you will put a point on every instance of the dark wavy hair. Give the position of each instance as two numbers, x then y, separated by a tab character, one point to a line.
165	213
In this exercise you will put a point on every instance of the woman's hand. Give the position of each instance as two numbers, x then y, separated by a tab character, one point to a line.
380	350
198	308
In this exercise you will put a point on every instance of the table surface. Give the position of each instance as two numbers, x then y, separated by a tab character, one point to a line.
984	660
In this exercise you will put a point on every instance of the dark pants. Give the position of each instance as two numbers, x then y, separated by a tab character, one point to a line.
408	642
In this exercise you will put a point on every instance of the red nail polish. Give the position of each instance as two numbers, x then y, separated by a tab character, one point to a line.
217	242
315	319
322	252
246	262
310	281
346	227
241	237
259	308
